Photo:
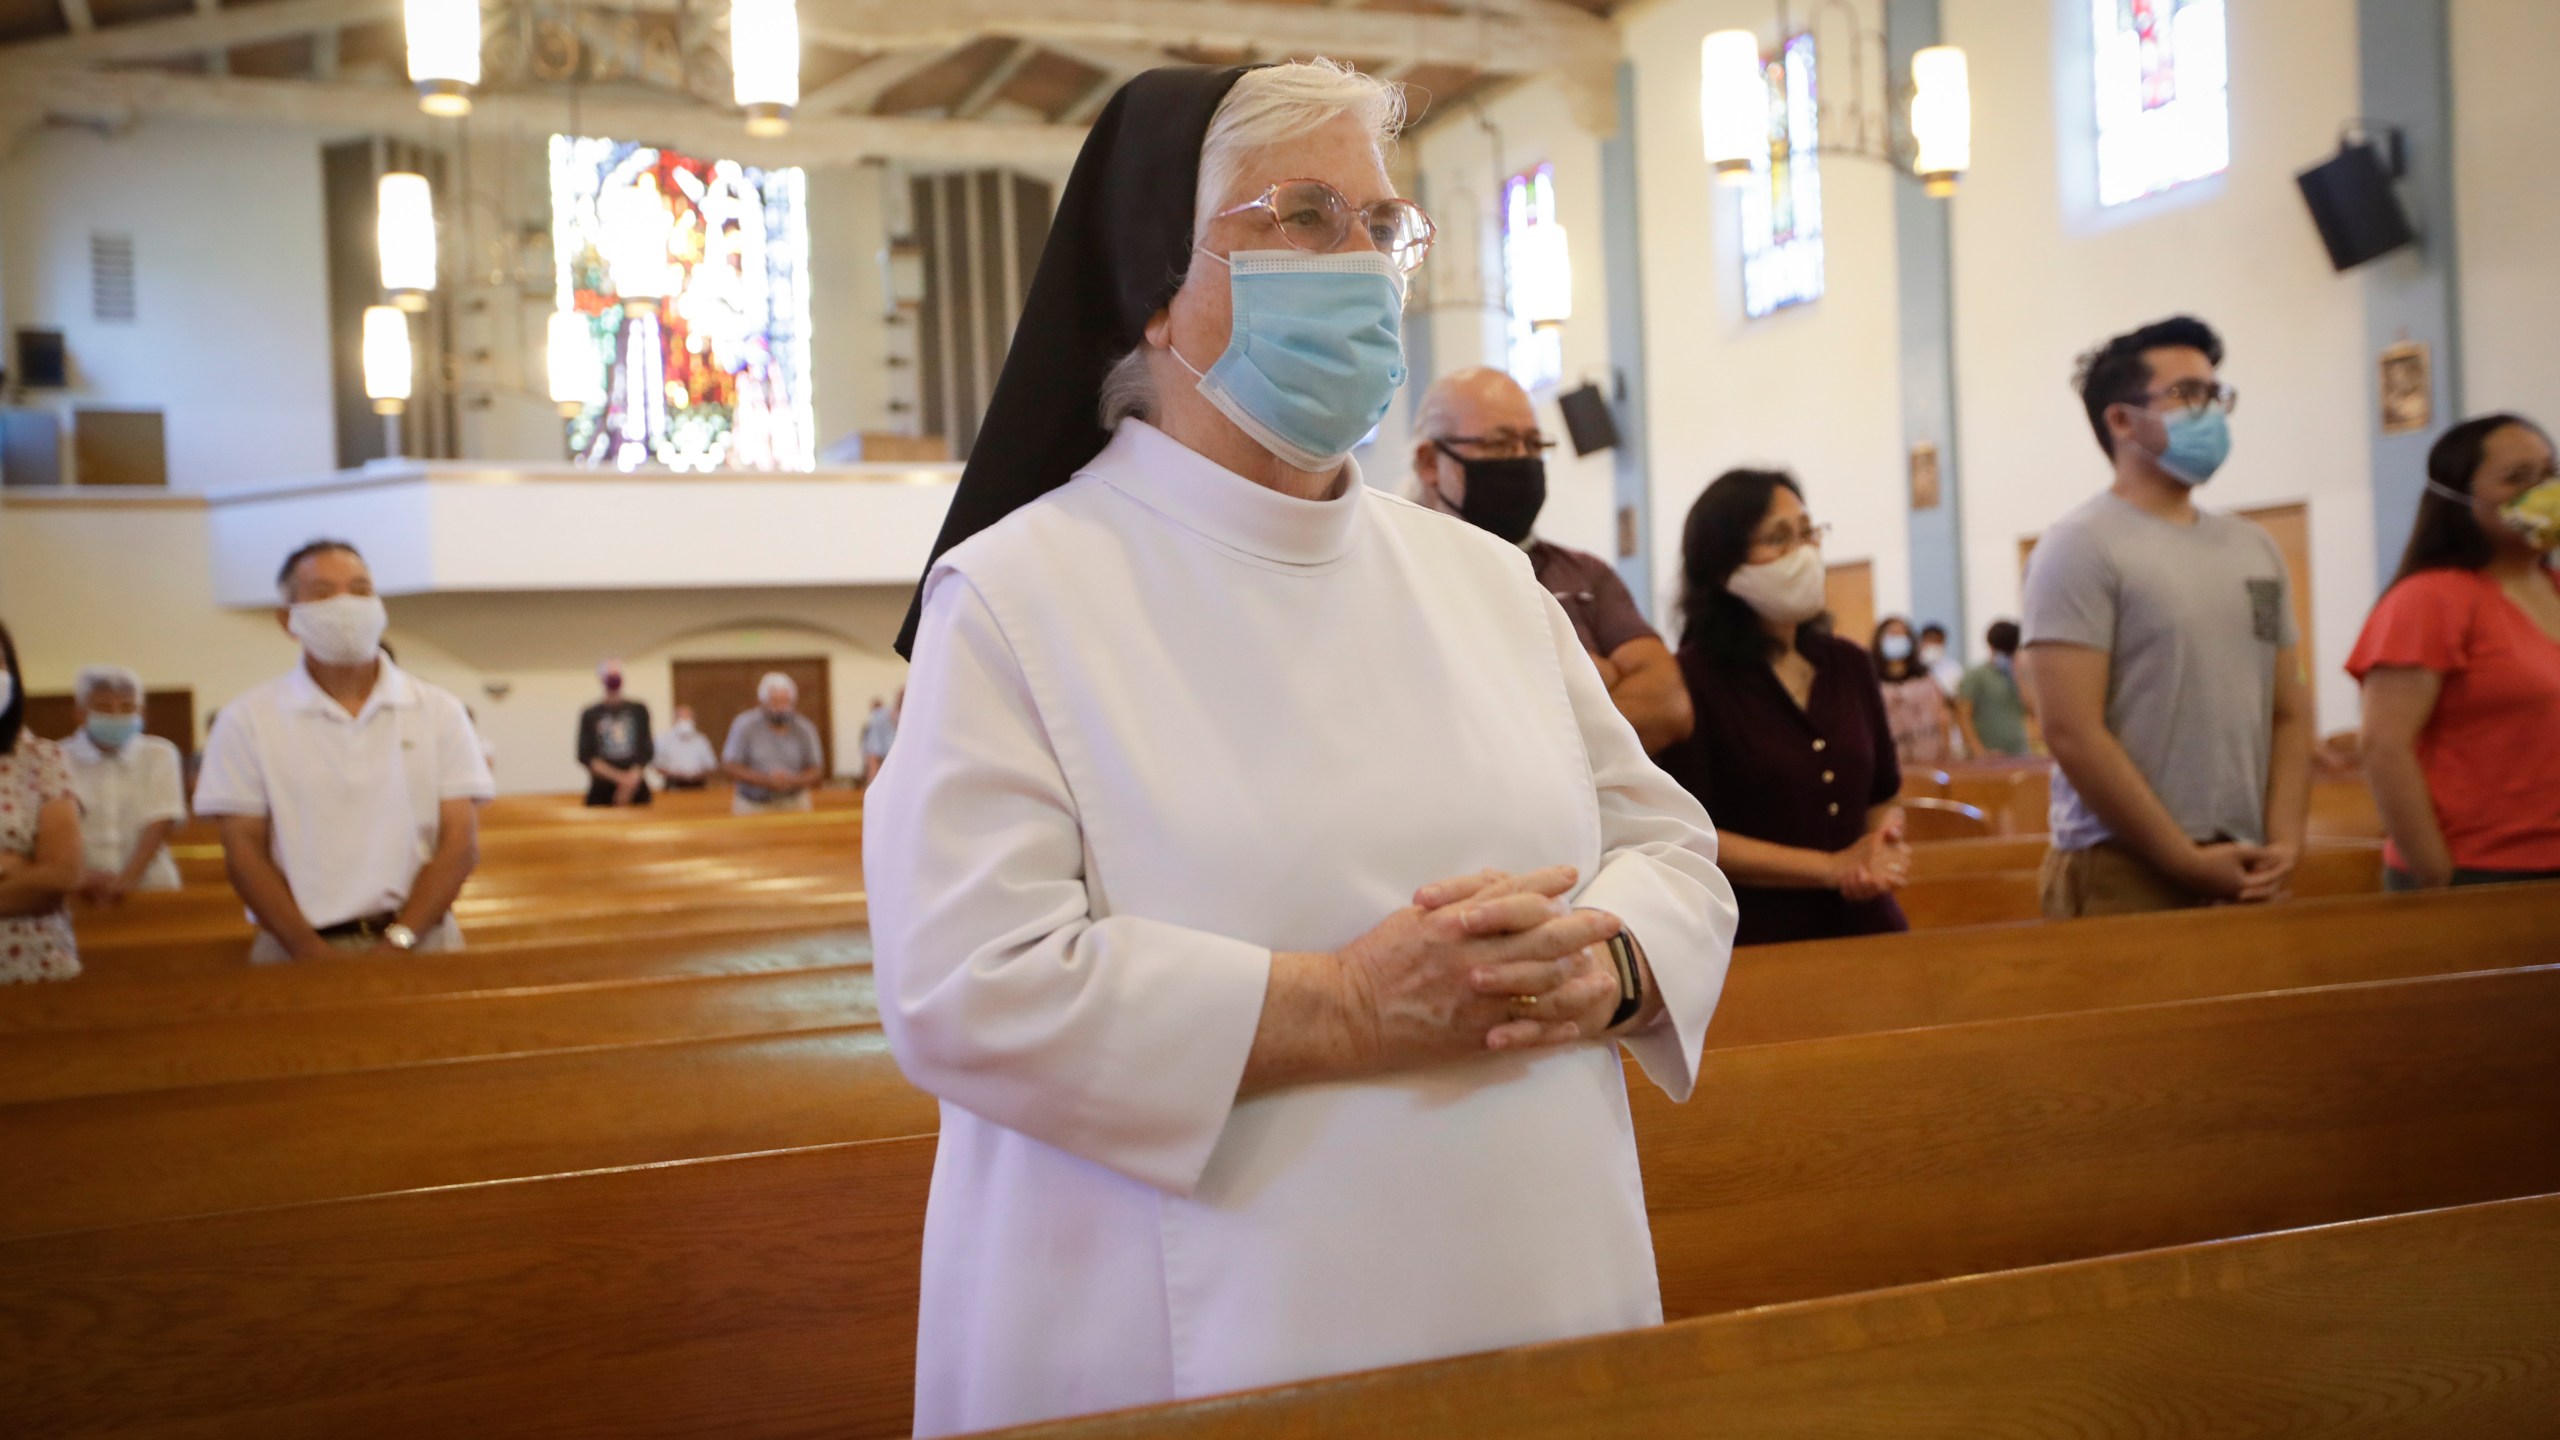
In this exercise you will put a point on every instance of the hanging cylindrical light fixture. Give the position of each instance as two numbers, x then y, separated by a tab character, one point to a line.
1543	265
386	358
444	53
577	371
1733	103
636	228
1941	118
764	62
405	233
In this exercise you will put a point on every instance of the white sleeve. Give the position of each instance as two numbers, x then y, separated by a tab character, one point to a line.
1119	1039
164	793
1657	873
232	781
462	768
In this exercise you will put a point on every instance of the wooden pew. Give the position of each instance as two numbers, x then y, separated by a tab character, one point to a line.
117	1159
769	1295
95	1000
2329	867
2440	1323
413	1030
1816	989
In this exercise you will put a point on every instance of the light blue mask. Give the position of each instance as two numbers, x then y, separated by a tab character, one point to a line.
1314	353
112	731
1895	647
2199	441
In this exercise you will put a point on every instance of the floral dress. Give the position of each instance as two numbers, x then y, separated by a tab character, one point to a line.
33	947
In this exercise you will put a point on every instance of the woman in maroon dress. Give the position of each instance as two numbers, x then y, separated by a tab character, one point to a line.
1792	755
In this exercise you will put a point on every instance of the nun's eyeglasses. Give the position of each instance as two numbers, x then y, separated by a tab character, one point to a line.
1314	216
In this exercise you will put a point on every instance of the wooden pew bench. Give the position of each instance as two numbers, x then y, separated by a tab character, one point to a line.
423	1029
1982	897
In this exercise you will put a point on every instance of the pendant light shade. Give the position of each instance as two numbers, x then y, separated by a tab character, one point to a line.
1733	103
444	53
577	371
764	62
405	232
386	358
1941	117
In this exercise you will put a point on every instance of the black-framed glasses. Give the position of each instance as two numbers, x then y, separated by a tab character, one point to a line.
1784	537
1316	217
2197	395
1498	444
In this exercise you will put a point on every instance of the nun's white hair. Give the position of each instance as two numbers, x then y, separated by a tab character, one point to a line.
1268	106
96	680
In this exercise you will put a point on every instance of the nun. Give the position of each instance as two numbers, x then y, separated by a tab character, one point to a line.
1263	880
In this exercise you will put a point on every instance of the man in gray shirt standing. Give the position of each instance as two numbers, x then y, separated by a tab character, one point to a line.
773	754
2161	654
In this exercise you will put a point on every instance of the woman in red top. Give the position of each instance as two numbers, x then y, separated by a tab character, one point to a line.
2461	668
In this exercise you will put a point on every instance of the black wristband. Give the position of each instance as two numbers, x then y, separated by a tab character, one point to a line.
1622	953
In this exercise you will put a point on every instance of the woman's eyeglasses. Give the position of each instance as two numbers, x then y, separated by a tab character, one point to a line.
1782	537
1314	216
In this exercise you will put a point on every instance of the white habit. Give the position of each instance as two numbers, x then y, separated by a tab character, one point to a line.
1162	722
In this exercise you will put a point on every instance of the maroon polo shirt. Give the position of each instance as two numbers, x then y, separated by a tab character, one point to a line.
1792	775
1604	615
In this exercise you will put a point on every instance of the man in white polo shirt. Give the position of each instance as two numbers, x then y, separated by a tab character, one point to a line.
346	789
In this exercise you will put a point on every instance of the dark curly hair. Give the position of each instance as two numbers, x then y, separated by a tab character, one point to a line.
1714	542
2117	374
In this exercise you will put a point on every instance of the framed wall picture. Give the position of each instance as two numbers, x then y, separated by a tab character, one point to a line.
1924	477
2408	389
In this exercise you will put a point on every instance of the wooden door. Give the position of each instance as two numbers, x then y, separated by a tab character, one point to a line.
1849	593
2291	527
721	690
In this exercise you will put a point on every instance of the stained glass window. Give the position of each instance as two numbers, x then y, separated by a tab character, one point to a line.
693	276
1537	268
2163	91
1782	206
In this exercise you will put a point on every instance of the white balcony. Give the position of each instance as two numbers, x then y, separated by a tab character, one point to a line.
429	527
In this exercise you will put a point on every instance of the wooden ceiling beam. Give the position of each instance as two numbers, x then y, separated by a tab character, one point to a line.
205	29
991	85
860	88
815	140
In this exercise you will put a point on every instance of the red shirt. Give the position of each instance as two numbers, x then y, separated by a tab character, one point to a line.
2491	750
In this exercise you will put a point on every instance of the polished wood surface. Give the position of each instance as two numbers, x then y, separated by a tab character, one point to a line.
64	1064
1815	989
2414	1327
1826	1166
1990	897
119	1159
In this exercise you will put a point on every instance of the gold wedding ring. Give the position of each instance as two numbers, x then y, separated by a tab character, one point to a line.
1525	1002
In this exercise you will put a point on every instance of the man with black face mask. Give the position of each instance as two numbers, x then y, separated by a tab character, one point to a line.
1478	455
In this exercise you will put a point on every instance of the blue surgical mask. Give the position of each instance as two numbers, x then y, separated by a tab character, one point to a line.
1895	647
2199	441
112	731
1315	351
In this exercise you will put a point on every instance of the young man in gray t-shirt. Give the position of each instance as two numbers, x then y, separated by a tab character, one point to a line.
2161	652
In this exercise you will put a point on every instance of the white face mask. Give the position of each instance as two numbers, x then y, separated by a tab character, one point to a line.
1786	591
341	630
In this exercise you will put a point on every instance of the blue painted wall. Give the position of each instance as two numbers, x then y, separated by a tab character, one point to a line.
1927	302
1623	256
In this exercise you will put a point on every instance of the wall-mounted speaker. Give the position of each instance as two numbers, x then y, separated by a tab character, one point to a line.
1587	419
43	363
2352	202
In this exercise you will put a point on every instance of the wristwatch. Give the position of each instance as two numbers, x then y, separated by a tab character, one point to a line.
401	937
1622	954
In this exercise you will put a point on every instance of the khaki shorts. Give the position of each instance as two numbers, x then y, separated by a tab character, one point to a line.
2107	879
268	950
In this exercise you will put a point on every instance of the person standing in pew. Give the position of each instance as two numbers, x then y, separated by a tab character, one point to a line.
774	754
614	745
130	792
1481	457
1989	705
2162	658
685	759
1236	1089
2460	664
39	841
1793	754
347	789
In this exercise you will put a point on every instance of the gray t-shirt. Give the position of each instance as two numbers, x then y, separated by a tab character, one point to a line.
759	746
2192	617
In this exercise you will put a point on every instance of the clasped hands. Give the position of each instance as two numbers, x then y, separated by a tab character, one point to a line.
1490	961
1876	866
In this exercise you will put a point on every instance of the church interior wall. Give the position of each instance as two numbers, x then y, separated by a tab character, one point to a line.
2507	195
2041	274
1813	388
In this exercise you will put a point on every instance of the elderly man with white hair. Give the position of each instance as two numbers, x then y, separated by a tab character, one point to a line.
774	755
130	787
